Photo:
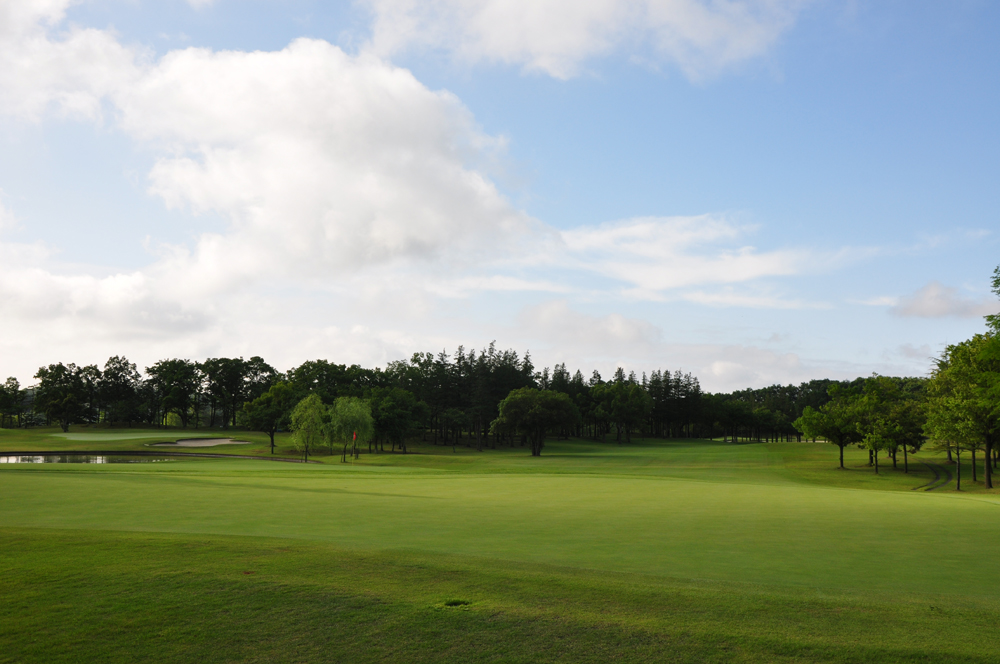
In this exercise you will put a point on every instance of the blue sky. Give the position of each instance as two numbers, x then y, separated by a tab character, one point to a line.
756	191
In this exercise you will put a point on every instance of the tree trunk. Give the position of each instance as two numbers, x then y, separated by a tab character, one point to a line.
841	456
988	463
271	433
876	461
906	464
958	469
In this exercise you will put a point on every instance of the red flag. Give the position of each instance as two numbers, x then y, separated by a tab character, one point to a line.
355	435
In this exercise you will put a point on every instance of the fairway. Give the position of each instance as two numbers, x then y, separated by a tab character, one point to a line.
752	521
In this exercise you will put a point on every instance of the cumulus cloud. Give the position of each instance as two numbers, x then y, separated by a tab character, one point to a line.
938	301
322	161
558	37
351	191
325	163
46	66
358	204
37	293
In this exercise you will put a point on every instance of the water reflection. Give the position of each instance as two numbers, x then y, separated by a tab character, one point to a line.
80	458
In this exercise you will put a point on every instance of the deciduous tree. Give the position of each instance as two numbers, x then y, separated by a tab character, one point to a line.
836	421
271	410
350	423
61	393
309	421
531	413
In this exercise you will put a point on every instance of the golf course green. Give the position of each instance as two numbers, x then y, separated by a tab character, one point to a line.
686	550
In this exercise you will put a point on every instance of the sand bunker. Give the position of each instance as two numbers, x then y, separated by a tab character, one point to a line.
201	442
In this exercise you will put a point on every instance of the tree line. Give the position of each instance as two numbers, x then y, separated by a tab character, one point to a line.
955	410
468	397
496	398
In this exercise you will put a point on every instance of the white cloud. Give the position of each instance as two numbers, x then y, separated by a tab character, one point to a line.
360	213
322	161
729	298
69	71
559	333
878	301
36	294
326	163
469	286
656	254
556	323
937	301
558	37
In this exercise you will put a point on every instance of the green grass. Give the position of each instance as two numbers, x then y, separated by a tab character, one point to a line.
124	439
680	551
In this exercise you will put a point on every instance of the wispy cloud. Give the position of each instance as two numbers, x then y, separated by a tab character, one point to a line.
922	352
658	253
938	301
557	37
556	322
730	298
878	301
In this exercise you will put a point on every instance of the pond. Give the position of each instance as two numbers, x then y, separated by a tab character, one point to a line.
80	458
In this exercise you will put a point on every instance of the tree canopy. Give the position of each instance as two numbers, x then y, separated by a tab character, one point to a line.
531	413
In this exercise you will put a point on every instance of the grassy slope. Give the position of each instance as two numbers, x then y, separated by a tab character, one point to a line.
676	551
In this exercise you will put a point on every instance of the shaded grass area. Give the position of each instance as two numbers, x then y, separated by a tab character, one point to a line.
117	597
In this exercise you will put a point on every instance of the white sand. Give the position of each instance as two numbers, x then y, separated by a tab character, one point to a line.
201	442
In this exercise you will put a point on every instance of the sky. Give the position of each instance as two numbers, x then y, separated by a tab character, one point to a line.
753	191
